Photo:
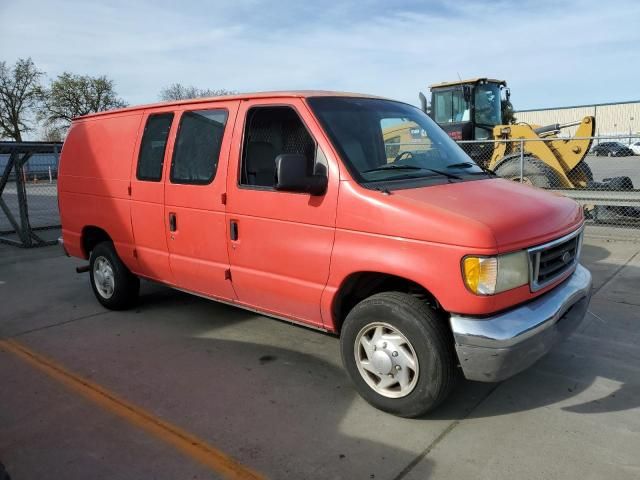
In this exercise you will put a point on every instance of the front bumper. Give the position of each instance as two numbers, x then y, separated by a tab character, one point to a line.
491	349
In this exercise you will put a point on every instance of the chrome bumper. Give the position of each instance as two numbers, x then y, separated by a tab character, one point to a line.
491	349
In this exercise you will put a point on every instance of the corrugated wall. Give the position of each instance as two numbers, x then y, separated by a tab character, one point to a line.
612	119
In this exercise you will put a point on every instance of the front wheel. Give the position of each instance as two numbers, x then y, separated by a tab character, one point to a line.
533	170
399	354
113	284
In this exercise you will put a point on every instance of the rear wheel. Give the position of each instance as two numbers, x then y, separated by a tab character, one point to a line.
534	172
398	353
113	284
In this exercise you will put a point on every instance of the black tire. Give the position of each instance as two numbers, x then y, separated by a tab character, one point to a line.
584	169
430	339
124	286
535	172
580	172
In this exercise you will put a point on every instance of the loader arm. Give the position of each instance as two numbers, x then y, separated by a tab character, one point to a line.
562	155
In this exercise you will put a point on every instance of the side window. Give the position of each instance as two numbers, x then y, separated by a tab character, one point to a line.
443	107
197	147
269	132
152	147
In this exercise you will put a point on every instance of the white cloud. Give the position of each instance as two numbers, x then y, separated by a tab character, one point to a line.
550	53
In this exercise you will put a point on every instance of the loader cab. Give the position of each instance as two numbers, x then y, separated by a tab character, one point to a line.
469	110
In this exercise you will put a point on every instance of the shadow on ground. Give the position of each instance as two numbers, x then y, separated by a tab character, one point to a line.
567	371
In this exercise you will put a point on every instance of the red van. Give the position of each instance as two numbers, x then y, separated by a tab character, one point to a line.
352	214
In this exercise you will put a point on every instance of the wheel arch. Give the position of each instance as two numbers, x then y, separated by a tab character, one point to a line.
91	236
362	284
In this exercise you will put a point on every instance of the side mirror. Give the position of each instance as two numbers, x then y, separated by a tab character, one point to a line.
292	175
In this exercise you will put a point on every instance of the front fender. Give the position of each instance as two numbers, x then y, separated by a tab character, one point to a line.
435	267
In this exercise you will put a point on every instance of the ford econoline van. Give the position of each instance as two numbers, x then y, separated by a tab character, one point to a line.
351	214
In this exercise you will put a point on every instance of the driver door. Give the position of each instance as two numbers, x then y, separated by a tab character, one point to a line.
279	242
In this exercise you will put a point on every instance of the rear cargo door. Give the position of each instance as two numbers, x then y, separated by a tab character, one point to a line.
195	190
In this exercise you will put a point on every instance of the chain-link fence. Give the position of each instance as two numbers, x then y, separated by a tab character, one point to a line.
601	173
605	180
28	192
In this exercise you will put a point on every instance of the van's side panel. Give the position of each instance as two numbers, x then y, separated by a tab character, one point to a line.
147	212
93	182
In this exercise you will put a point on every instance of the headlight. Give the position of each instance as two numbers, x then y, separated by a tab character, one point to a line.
490	275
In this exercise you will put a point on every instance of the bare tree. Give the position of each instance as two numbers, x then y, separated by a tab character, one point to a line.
20	91
177	91
72	96
52	133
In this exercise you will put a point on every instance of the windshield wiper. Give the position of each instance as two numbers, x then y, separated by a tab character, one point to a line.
391	166
469	165
444	174
461	165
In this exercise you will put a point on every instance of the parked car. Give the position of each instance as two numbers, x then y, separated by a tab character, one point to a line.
611	149
289	204
635	147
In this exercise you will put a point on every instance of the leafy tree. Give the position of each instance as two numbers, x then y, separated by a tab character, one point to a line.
71	96
177	91
19	94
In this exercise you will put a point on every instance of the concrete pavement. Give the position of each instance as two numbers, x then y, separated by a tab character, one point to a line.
274	396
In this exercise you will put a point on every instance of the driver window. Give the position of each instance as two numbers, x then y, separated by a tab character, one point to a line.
269	132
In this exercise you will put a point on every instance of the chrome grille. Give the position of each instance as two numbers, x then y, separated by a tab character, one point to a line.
550	261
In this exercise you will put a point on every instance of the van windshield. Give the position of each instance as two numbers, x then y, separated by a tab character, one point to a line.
382	141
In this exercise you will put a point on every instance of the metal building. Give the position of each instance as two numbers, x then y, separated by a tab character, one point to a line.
621	118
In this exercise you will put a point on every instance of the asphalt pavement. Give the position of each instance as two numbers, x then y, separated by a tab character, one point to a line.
181	387
607	167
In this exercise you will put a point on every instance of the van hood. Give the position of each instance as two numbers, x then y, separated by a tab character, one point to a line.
492	214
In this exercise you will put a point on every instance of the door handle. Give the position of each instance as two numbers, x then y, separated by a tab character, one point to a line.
233	232
173	224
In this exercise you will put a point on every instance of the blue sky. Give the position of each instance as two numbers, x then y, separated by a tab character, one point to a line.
551	53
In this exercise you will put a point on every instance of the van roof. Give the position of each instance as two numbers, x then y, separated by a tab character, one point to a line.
240	96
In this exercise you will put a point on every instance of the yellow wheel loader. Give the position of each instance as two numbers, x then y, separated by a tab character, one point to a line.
473	110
